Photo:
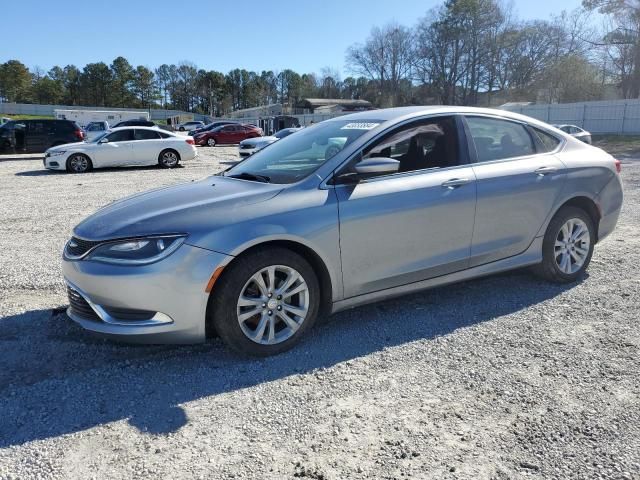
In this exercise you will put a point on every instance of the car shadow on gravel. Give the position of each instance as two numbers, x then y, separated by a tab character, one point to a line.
58	379
45	172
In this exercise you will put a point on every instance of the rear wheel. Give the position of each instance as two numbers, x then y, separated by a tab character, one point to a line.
567	246
265	302
79	163
169	159
211	142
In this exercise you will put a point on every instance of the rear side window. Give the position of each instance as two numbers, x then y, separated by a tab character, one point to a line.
35	127
164	135
146	135
64	126
547	141
496	139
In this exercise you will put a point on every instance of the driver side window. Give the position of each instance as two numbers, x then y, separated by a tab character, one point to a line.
426	144
121	136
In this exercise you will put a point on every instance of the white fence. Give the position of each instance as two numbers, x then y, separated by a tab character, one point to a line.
620	117
47	110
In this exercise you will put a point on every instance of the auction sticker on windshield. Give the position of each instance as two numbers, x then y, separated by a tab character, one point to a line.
360	126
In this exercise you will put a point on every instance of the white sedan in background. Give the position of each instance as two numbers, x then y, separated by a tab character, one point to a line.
120	147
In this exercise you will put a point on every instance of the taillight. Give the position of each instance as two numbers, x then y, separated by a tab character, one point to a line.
79	134
618	166
190	141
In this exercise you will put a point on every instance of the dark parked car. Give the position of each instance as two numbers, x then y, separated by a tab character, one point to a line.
227	134
211	126
35	136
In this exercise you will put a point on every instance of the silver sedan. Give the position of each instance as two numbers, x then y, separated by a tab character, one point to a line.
349	211
576	132
252	145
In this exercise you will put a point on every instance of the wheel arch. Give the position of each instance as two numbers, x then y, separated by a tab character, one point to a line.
584	203
317	263
169	149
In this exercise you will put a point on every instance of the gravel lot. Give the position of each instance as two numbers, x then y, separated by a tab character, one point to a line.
504	377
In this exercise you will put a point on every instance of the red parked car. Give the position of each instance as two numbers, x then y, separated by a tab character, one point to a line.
227	134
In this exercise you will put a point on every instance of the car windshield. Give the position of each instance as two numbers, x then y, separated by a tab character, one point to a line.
299	155
100	137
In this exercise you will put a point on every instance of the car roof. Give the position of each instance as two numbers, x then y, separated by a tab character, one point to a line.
388	114
134	127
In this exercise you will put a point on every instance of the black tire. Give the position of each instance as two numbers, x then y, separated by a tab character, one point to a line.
550	269
223	309
168	158
211	142
79	163
182	129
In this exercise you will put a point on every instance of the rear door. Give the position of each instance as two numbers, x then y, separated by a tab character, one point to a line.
517	182
117	151
146	146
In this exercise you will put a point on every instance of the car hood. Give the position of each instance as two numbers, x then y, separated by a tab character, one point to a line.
190	208
258	140
66	146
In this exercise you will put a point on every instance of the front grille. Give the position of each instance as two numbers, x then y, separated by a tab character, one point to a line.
246	147
76	247
79	305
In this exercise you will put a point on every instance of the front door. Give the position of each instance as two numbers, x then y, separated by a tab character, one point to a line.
517	187
416	224
117	151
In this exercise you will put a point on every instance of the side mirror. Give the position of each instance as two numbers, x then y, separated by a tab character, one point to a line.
377	165
104	140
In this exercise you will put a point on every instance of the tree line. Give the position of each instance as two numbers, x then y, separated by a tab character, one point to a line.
468	52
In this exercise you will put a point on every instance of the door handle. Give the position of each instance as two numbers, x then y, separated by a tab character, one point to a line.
455	183
542	171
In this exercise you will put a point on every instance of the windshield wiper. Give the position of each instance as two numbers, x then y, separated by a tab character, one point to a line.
250	176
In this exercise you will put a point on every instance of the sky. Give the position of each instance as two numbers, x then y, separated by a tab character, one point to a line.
303	35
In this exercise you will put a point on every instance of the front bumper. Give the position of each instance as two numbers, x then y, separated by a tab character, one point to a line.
57	162
173	290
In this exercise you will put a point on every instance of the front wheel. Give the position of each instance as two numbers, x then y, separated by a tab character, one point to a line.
78	163
211	142
265	302
567	246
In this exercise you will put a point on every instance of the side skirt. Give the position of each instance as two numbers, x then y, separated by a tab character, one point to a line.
531	256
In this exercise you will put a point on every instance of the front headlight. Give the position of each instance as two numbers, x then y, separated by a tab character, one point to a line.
55	153
138	251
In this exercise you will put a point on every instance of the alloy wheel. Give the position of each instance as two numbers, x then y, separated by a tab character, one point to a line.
571	247
211	142
273	305
169	159
79	163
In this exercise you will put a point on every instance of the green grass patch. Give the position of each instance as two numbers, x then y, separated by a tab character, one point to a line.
618	144
26	117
